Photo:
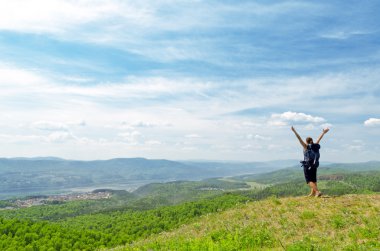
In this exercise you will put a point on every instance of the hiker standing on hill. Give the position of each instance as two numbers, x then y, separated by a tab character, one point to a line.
311	161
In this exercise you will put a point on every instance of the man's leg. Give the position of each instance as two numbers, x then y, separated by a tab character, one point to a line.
314	186
313	182
312	190
317	193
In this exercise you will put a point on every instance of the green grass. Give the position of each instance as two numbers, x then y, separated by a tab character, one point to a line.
349	222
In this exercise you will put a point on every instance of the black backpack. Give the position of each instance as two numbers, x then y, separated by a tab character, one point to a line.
311	156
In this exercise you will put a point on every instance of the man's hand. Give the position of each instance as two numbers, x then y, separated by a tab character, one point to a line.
325	130
293	129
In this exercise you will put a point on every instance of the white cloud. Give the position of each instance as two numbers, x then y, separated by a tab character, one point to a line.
164	30
121	126
358	141
81	123
272	147
49	126
60	16
277	123
59	137
189	148
313	126
342	35
144	124
54	137
258	137
309	127
251	147
23	84
131	137
193	136
153	142
32	96
326	125
76	79
298	117
19	138
54	16
14	79
134	25
356	145
250	124
355	148
372	122
16	82
286	117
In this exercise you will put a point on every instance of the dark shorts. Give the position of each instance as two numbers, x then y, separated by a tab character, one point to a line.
310	174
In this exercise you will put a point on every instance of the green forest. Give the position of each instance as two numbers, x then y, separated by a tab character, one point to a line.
128	218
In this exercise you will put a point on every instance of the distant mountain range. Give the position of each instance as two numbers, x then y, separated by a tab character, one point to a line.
26	176
47	175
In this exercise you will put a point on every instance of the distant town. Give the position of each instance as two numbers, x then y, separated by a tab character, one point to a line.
55	199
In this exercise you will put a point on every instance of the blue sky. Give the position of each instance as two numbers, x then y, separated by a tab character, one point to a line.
220	80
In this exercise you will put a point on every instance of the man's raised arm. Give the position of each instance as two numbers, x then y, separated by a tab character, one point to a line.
299	138
323	133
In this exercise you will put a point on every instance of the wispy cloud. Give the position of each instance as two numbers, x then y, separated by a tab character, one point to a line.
258	137
60	136
54	16
192	136
163	30
342	35
49	126
186	79
131	137
16	81
59	16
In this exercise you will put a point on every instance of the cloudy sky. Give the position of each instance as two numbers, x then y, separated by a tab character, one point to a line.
218	80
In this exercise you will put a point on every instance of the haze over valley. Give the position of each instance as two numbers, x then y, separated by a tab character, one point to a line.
43	176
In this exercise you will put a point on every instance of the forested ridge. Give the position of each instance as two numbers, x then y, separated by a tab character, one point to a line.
92	231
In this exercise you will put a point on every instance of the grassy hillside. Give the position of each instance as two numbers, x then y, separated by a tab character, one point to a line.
127	218
349	222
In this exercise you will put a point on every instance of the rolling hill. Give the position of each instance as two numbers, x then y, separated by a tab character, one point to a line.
349	222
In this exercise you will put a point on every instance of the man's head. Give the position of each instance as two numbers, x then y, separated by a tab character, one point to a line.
309	140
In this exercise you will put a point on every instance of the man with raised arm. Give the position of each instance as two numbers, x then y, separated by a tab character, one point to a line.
311	161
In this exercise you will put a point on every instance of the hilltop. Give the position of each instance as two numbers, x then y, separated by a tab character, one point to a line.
349	222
